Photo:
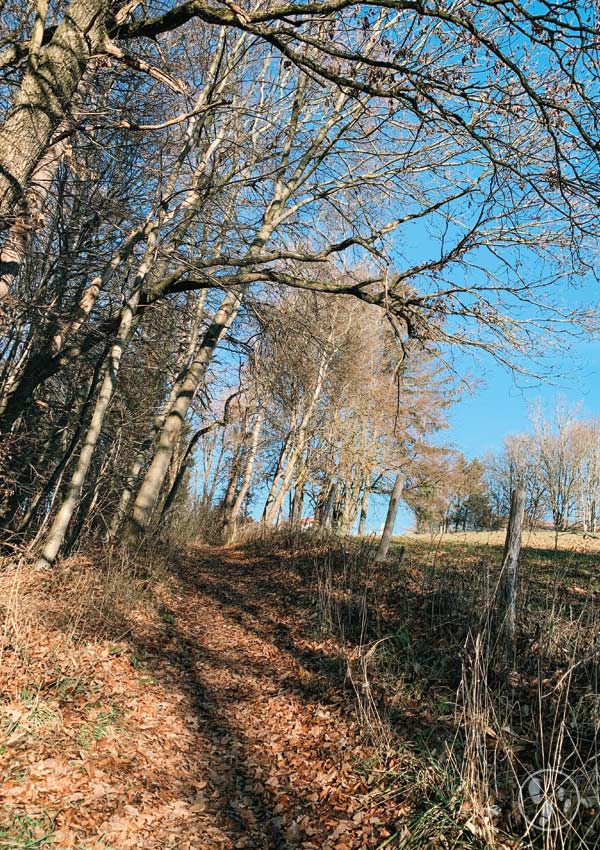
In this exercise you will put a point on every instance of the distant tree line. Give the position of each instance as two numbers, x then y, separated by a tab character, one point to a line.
557	463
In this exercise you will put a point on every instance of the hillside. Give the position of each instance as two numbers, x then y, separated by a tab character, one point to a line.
228	698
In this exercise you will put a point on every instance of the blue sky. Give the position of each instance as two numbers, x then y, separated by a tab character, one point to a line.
481	421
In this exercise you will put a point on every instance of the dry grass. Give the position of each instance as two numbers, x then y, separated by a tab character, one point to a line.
567	541
428	641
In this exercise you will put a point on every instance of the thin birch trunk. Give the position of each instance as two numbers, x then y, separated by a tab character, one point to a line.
56	476
56	534
229	497
231	520
185	462
279	470
138	463
300	442
148	493
213	471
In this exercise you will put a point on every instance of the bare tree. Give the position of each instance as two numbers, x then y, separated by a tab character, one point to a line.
290	147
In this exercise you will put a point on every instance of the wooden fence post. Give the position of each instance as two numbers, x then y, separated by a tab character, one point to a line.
392	511
509	573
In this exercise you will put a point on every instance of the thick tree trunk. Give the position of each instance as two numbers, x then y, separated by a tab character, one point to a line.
388	528
328	505
62	519
43	99
297	502
18	238
148	494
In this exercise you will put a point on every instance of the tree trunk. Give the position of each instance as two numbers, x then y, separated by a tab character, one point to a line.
140	458
185	461
43	99
231	519
148	494
57	473
297	503
364	509
18	238
328	506
229	497
388	528
351	505
213	472
62	519
274	508
279	470
41	366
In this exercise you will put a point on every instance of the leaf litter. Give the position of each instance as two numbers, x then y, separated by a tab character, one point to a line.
218	726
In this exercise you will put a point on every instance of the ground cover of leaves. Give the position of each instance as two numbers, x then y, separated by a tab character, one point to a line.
206	716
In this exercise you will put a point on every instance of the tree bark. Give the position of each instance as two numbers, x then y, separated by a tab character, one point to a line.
364	508
388	528
273	509
297	502
43	99
185	461
53	481
140	458
41	366
279	470
18	238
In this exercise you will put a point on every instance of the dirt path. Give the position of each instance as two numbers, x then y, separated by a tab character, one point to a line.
218	723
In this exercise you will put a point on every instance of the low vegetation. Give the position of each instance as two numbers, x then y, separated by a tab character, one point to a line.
290	692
